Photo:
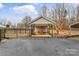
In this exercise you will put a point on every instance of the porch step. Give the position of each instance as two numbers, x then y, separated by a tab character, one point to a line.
41	35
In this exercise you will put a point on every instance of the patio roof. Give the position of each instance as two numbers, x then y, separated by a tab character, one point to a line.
2	26
76	25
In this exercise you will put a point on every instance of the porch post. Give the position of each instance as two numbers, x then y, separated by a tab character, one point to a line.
52	30
30	29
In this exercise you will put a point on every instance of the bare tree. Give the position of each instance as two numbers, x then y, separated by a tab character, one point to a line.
77	13
9	24
26	21
43	11
60	14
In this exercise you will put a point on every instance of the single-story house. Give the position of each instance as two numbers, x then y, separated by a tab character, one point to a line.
41	26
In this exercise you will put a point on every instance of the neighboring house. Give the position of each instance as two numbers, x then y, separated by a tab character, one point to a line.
41	26
2	31
75	26
2	26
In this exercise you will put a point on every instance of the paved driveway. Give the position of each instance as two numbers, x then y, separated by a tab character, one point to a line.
40	47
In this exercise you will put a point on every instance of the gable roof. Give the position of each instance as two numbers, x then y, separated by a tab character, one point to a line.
45	18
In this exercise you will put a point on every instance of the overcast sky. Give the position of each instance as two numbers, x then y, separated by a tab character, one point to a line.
15	12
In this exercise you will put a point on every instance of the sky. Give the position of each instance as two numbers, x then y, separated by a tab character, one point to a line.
15	12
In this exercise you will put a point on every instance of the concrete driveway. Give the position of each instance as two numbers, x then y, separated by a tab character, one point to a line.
40	47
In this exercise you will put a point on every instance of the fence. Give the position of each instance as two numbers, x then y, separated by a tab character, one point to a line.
20	32
13	33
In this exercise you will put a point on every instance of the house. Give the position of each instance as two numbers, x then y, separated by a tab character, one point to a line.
75	28
2	26
41	26
2	31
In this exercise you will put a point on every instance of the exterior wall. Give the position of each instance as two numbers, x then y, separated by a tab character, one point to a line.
74	31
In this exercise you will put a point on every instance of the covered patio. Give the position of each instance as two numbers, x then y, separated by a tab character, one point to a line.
41	30
41	27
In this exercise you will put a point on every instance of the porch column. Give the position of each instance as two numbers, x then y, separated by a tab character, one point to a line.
30	29
52	30
47	28
35	30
